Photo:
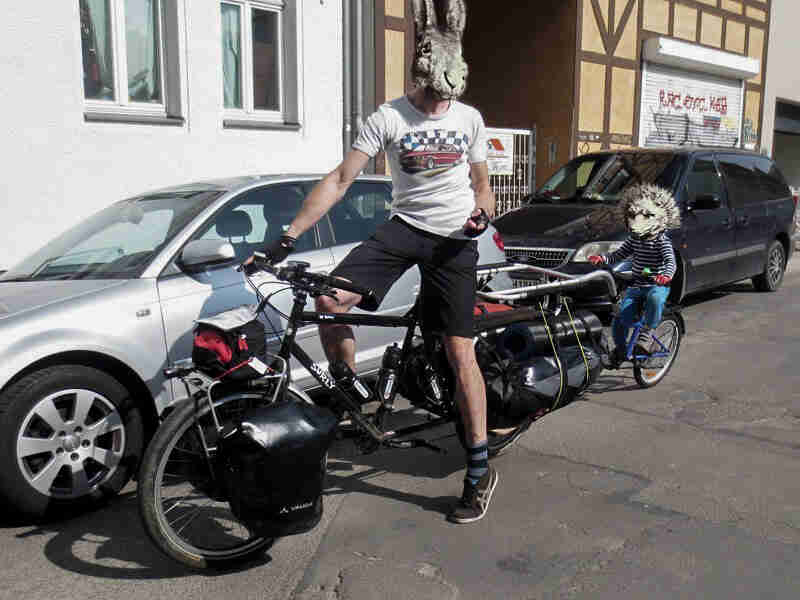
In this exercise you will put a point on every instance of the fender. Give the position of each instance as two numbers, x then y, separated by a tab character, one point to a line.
674	310
244	391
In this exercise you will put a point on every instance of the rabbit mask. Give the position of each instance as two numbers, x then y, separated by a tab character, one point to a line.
438	64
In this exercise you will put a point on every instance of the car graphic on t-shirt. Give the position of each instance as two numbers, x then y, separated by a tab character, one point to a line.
432	156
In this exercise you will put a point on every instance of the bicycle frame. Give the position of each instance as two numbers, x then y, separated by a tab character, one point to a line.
637	327
289	348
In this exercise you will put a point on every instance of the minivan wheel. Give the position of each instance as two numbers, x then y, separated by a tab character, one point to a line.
70	436
772	277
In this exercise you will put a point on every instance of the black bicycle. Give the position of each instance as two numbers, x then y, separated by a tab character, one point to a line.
183	506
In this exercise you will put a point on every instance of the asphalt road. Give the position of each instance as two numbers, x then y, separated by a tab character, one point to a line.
687	490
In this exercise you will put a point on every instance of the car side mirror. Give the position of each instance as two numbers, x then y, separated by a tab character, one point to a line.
705	202
199	254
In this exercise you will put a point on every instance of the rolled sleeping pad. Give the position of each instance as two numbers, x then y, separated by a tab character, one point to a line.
523	339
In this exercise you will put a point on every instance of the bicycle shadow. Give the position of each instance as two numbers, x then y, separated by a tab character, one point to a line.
614	381
110	543
350	471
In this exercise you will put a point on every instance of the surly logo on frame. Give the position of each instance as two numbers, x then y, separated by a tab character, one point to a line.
323	376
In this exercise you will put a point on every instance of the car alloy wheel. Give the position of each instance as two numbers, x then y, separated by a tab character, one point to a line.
775	265
70	442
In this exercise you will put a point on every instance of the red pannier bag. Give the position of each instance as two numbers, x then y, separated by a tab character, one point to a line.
231	345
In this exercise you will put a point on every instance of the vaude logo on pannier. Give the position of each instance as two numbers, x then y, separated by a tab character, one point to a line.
287	509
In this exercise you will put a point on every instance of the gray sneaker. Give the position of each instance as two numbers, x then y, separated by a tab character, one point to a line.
475	499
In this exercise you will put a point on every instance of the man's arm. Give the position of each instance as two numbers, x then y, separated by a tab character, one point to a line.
327	192
484	196
484	201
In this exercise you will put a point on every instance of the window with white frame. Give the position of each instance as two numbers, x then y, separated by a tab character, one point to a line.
259	61
124	48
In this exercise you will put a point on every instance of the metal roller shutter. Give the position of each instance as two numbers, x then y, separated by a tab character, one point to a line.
684	108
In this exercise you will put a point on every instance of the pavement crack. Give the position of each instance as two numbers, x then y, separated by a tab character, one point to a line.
337	589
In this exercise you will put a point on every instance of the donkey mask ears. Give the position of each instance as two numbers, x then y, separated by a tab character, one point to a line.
453	12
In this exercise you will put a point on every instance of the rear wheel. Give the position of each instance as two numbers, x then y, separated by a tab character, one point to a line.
651	371
182	505
772	277
503	429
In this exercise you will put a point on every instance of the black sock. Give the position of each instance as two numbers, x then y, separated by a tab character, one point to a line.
477	462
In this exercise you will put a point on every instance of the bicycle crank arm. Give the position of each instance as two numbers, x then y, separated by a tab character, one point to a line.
416	443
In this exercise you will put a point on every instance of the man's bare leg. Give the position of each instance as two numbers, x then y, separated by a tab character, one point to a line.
338	341
480	479
470	392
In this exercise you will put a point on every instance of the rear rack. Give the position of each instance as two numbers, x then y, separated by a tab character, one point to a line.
564	282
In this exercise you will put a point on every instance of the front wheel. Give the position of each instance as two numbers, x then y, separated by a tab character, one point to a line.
181	503
70	437
664	345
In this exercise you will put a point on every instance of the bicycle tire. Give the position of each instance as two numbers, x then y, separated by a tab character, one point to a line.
640	371
151	505
499	439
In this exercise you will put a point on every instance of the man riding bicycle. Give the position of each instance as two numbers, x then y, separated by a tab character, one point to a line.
438	207
649	212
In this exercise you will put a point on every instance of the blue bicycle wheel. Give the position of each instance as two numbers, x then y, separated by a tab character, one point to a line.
663	349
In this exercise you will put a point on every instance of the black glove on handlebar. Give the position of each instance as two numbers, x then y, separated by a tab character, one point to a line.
278	250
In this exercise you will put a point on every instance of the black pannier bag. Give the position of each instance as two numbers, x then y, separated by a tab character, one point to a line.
271	464
231	345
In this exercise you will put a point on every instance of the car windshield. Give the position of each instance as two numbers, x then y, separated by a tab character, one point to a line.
116	243
603	177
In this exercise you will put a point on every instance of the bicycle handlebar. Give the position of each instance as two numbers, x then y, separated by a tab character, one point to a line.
297	275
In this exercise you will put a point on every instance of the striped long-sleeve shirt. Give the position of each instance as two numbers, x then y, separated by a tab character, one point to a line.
656	254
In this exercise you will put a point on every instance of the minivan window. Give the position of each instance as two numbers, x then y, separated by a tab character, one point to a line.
571	179
704	179
609	176
773	185
741	178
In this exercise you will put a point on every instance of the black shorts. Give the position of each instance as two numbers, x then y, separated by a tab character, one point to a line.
447	266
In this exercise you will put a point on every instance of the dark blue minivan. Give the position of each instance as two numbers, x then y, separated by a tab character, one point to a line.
737	216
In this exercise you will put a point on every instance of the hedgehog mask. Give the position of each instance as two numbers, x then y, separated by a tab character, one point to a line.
649	210
438	64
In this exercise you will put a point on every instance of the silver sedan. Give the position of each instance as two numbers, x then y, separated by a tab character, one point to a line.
89	322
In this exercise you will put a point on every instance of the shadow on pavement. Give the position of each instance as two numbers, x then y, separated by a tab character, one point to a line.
350	471
108	543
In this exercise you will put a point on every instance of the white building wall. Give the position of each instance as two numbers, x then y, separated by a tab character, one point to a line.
58	168
783	76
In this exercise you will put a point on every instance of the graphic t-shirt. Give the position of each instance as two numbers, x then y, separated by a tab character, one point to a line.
429	158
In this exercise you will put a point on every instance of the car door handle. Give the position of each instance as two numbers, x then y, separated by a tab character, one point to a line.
742	220
726	222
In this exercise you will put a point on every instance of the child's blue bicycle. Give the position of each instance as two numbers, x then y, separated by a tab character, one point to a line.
650	368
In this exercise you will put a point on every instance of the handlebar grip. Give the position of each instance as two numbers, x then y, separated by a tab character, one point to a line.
348	286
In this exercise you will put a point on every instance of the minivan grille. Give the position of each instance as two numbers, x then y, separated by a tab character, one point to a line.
549	258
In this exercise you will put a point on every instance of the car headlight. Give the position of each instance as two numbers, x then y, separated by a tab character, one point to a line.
592	248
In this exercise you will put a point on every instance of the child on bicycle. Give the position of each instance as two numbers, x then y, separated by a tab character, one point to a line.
649	212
